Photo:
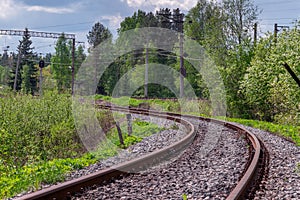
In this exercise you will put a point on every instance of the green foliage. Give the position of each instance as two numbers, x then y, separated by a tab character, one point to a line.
219	28
4	70
141	123
270	91
128	141
240	16
39	144
98	34
140	130
137	59
61	64
27	79
35	129
32	175
288	131
171	105
205	23
79	57
139	19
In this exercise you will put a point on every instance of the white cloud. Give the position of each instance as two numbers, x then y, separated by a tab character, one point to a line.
114	20
8	8
55	10
184	5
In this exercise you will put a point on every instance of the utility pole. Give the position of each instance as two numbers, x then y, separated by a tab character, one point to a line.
177	18
182	69
146	74
73	66
255	34
43	35
17	67
276	30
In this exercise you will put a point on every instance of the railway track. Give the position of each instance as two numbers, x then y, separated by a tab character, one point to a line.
254	172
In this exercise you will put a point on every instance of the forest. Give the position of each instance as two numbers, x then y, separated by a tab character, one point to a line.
257	85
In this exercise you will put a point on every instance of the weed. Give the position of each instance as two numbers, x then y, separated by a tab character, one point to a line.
184	197
174	126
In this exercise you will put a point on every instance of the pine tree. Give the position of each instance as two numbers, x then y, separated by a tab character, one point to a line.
28	78
96	36
61	64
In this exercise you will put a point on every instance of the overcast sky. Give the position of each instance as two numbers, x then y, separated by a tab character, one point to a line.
78	16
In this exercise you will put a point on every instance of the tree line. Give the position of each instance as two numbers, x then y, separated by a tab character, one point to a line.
257	86
19	70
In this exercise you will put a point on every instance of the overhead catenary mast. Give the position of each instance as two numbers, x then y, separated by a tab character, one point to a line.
46	35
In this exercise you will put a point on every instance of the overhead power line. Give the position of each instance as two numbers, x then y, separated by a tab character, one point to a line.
62	25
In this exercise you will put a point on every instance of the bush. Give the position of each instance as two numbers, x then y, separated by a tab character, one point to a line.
34	129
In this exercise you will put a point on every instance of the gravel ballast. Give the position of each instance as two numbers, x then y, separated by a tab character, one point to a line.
283	180
194	174
200	172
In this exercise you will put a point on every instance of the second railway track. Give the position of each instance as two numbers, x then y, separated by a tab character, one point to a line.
232	170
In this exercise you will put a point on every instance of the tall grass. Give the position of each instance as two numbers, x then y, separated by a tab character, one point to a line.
34	129
39	143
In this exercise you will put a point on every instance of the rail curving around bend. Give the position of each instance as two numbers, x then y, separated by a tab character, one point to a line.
66	189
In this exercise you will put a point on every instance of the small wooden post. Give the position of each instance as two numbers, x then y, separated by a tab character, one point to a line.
129	124
120	133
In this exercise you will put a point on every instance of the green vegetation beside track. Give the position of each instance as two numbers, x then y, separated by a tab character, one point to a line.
291	132
39	144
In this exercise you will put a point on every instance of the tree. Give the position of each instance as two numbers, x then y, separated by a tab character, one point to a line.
224	30
141	19
240	15
79	57
205	24
61	64
25	56
4	68
240	19
98	34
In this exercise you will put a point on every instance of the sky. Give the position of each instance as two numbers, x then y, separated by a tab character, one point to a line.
79	16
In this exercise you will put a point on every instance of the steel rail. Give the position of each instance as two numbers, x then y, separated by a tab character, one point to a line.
64	190
249	176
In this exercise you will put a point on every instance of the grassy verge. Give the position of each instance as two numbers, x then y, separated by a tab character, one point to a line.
203	106
31	176
291	132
